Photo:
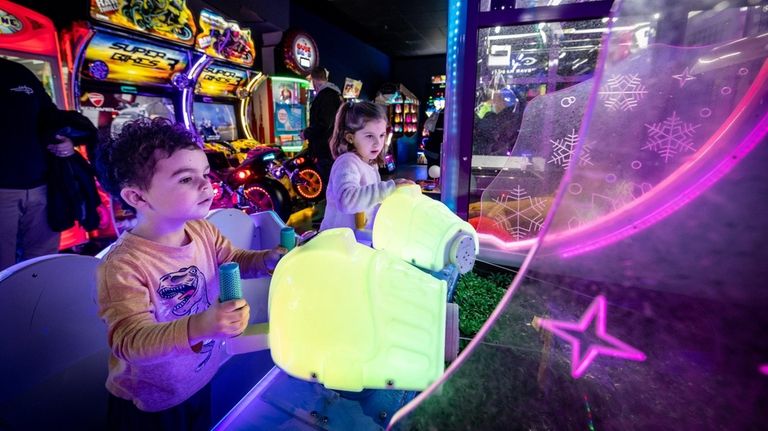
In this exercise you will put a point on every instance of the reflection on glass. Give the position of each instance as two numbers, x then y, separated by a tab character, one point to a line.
517	64
494	5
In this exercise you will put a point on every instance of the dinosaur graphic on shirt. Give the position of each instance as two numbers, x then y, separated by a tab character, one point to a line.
185	292
187	288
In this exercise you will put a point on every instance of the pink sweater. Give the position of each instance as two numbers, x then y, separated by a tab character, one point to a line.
147	292
354	186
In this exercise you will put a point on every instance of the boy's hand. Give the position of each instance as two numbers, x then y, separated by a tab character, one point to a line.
273	256
221	320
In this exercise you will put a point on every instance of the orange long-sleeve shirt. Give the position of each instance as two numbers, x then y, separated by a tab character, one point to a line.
147	293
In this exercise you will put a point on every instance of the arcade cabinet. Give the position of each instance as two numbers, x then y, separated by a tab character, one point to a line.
131	63
279	107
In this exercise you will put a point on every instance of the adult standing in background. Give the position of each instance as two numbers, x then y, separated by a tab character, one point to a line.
26	111
322	114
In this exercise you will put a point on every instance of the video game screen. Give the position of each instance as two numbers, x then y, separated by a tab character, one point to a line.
215	121
110	111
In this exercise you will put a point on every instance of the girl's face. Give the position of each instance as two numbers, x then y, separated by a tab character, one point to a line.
369	141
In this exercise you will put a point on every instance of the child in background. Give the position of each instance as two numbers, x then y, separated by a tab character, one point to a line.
158	286
358	146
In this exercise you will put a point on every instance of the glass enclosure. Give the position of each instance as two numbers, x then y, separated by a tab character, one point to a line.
638	183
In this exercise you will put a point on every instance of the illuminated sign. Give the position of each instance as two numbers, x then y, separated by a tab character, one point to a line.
117	59
170	20
9	24
224	39
300	52
222	81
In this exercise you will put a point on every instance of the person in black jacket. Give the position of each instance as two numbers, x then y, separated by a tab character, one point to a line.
322	114
26	111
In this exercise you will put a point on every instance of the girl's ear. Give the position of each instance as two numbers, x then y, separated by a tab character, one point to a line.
349	137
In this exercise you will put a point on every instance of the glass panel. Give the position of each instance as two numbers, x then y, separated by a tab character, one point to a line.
516	65
644	306
491	5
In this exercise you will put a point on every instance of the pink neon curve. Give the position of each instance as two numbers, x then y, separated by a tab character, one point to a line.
614	347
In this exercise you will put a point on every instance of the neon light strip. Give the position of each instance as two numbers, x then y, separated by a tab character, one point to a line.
187	94
244	104
74	82
288	79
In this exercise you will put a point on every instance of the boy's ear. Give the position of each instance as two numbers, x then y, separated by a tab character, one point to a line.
133	196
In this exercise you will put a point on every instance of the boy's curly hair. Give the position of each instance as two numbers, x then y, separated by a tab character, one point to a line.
131	157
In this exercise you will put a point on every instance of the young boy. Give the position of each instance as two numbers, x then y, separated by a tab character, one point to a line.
158	286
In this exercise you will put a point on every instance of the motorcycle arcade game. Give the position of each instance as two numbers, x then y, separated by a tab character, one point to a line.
132	64
29	38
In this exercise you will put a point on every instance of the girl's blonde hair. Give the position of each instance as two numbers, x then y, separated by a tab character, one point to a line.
351	117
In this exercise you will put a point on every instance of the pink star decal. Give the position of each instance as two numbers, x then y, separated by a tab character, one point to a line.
612	347
684	77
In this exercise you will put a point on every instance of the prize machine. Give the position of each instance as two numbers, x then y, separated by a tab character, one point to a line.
403	112
219	111
29	38
280	104
133	63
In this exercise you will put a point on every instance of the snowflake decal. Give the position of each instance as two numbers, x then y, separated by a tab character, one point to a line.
670	137
622	92
522	215
563	149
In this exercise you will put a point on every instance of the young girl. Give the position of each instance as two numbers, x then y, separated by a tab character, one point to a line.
358	146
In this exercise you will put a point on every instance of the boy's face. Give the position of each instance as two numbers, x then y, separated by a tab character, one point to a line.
180	189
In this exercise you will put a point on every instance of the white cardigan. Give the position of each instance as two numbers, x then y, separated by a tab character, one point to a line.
354	186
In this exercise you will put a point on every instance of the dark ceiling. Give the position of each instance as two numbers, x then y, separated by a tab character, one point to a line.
401	28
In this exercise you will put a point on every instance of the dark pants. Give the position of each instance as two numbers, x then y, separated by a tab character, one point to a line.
192	414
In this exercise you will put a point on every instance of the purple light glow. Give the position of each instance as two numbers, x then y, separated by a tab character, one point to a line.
613	347
763	369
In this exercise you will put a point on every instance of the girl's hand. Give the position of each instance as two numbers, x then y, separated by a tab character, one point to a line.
399	182
273	256
221	320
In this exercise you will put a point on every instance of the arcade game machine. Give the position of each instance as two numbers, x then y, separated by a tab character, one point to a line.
640	302
280	104
219	112
132	63
29	38
403	112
